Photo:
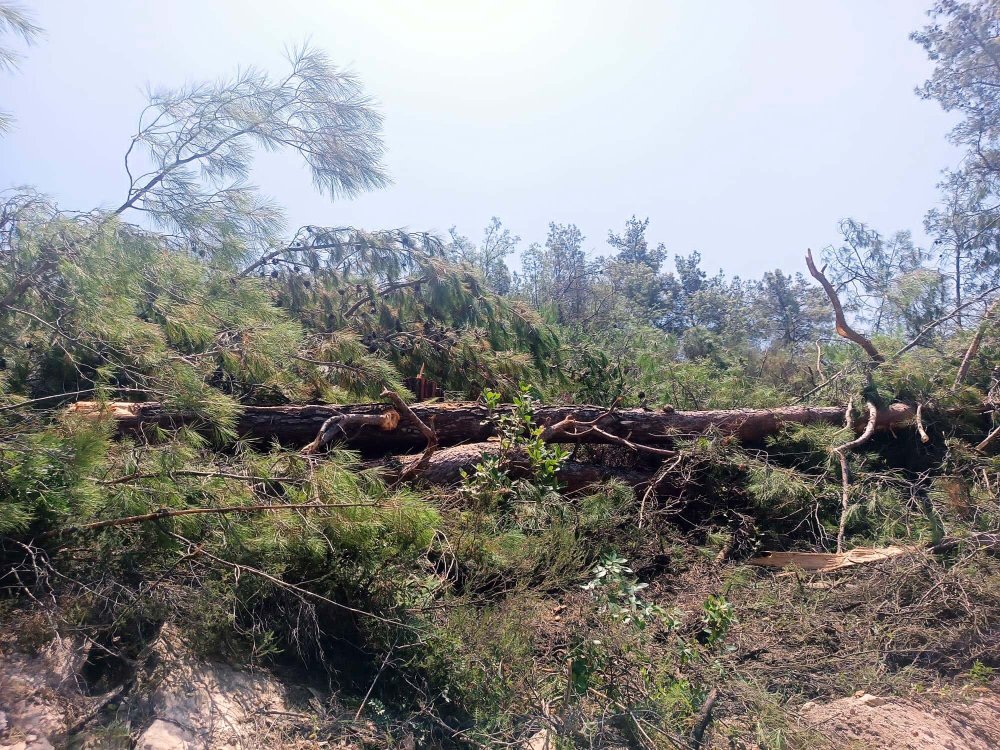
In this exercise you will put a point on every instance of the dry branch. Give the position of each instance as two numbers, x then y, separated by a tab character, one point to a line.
841	451
824	562
163	513
843	328
973	350
420	465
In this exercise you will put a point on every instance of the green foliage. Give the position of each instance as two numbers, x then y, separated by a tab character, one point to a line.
618	592
490	484
478	612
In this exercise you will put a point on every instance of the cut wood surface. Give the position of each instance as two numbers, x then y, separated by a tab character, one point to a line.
822	562
468	422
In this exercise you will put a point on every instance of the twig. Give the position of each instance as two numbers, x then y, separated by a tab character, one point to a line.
845	485
194	473
944	318
394	286
654	485
829	381
280	583
371	687
843	328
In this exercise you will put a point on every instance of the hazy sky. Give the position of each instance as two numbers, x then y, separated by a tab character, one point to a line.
745	130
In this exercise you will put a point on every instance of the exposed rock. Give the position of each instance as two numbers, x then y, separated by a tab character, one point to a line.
173	702
971	723
39	694
195	704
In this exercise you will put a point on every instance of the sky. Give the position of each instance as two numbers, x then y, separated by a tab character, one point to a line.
743	130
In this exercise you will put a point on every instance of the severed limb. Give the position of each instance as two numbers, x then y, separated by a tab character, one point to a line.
843	327
428	432
845	485
336	425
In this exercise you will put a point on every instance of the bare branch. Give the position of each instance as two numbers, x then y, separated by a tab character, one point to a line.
843	328
973	350
845	485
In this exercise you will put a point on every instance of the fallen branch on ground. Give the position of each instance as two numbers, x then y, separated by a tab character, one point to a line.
824	562
702	719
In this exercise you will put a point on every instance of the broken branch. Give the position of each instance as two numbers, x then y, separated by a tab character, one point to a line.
418	466
843	328
845	485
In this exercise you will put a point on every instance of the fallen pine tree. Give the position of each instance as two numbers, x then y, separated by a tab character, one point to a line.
445	467
377	427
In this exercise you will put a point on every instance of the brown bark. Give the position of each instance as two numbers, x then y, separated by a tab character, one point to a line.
843	327
445	468
463	422
973	350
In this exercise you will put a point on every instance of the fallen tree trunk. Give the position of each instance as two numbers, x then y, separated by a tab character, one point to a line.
445	468
464	422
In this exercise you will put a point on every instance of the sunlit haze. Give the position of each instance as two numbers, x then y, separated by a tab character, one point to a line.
742	130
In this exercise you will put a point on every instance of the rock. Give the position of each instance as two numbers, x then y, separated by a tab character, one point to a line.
192	703
540	741
907	724
174	702
39	693
162	735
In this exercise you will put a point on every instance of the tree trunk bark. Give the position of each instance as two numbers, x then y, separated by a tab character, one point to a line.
457	423
445	468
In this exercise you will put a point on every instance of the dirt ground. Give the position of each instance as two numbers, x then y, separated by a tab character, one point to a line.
969	722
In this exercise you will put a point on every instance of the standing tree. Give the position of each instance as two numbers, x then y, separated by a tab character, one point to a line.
962	41
489	257
790	311
556	278
883	281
